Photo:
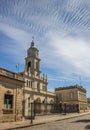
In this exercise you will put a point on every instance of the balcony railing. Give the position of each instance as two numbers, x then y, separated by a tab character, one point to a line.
10	74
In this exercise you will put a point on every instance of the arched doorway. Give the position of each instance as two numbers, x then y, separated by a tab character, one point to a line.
38	105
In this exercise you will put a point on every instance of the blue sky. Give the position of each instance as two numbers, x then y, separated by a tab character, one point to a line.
62	34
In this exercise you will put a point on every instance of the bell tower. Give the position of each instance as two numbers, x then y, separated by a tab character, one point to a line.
32	61
33	78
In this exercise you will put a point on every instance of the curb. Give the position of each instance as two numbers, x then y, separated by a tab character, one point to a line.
26	126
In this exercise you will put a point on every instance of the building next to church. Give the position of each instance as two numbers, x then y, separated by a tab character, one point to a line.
36	85
10	96
88	103
72	96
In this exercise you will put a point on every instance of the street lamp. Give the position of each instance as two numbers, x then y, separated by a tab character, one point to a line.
32	116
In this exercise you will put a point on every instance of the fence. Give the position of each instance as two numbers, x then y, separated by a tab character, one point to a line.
45	108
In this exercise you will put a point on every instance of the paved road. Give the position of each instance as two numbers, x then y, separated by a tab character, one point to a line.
78	123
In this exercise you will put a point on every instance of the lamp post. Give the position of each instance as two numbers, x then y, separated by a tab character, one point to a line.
32	117
65	108
23	112
16	104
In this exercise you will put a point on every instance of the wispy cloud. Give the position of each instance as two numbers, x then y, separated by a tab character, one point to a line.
40	16
61	29
20	40
68	50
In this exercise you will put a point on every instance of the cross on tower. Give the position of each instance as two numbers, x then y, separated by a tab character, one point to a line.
32	43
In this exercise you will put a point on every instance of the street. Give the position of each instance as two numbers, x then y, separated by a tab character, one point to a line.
77	123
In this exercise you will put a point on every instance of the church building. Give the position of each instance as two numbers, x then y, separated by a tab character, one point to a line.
36	86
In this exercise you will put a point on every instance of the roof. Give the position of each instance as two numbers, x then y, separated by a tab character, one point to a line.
11	75
71	87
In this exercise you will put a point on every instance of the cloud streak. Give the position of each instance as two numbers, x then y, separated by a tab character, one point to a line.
31	14
61	29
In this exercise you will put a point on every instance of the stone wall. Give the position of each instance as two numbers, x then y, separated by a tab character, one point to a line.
11	87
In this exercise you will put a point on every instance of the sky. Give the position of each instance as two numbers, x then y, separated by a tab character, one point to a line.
61	30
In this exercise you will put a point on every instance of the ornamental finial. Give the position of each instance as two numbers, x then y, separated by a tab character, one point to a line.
32	43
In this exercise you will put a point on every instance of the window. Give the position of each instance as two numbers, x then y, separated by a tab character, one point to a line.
37	65
44	88
28	102
8	101
29	64
38	87
26	82
36	53
71	95
60	96
31	84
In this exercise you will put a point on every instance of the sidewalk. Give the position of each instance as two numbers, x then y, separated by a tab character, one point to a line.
39	120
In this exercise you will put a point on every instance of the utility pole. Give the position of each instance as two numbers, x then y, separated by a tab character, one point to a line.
80	80
17	67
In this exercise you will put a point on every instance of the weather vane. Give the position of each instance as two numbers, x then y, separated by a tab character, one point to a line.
33	38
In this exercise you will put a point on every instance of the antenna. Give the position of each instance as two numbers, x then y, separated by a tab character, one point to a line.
17	67
80	80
